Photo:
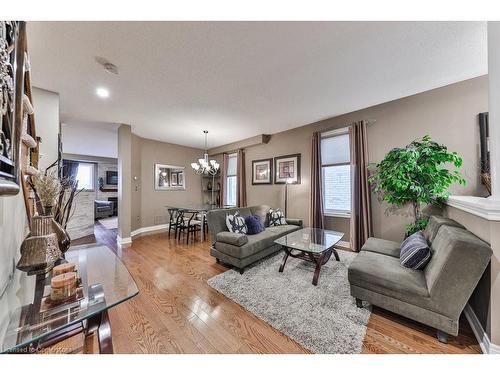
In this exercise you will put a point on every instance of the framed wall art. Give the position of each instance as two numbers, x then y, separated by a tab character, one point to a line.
287	169
262	172
169	177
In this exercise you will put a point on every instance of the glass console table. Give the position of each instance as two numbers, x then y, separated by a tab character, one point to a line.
27	324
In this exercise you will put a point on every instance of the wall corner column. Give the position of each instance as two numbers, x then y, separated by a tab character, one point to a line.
124	185
494	105
494	129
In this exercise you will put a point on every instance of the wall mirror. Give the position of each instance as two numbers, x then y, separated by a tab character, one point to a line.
169	177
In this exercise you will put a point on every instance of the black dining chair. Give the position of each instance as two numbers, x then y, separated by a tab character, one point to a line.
188	224
173	213
199	217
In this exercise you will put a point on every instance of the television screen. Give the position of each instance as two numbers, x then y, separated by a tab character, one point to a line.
111	178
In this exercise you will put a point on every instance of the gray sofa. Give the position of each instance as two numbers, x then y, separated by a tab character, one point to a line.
435	296
241	250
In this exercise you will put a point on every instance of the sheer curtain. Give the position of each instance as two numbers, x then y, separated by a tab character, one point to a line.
361	213
241	178
317	216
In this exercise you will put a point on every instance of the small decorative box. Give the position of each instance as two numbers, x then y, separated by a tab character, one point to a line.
63	268
63	286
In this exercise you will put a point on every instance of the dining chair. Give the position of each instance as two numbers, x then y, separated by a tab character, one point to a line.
200	216
173	214
188	224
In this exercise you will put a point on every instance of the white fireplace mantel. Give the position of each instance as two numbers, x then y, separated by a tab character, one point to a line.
487	208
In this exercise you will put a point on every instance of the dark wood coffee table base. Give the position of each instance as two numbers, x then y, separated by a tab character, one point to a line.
318	259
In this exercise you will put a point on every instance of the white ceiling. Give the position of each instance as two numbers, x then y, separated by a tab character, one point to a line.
240	79
90	138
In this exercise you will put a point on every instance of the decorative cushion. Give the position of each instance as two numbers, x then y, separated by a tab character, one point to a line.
276	217
254	225
236	223
236	239
415	252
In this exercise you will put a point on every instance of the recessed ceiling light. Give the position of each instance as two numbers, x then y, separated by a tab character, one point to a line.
102	92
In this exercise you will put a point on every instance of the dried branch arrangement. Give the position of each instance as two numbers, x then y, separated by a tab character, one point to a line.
47	187
62	201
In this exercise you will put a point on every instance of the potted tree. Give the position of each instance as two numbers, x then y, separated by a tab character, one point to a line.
416	175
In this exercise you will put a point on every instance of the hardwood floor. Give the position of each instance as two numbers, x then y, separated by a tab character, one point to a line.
101	235
177	312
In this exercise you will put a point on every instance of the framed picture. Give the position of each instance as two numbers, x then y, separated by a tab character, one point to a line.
169	177
287	168
262	172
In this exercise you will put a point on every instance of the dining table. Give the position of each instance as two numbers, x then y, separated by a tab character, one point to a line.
201	209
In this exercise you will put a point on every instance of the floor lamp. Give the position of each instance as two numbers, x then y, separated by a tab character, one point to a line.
287	182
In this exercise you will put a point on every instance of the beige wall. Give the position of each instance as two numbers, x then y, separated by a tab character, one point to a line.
13	230
447	114
46	104
124	183
148	204
13	219
136	183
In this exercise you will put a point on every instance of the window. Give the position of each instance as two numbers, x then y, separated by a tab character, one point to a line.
85	176
231	182
336	173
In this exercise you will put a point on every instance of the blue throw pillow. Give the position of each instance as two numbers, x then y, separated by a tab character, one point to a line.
415	252
254	225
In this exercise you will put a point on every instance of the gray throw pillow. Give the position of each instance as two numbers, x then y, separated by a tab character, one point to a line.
415	252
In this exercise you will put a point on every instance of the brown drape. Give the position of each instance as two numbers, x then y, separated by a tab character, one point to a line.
361	213
317	217
70	169
223	178
241	196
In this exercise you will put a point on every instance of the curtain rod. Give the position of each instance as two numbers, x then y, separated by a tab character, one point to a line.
332	130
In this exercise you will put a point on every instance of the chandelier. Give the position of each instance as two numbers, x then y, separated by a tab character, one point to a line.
204	166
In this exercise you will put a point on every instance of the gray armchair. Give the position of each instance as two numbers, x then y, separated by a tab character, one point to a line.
435	296
103	209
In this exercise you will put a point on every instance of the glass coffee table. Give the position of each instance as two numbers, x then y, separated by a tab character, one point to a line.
28	324
310	244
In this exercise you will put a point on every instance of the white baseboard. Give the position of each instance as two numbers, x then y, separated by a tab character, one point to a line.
487	347
126	241
153	228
